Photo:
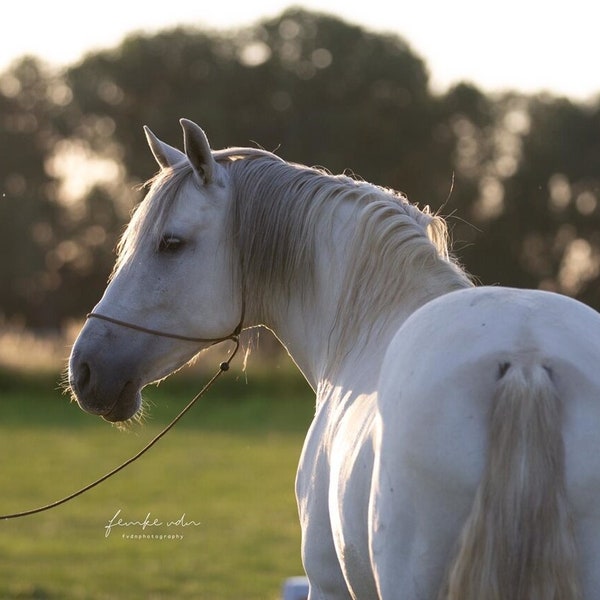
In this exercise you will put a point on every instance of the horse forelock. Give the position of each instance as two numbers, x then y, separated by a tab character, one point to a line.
150	215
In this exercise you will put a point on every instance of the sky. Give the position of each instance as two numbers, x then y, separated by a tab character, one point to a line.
524	45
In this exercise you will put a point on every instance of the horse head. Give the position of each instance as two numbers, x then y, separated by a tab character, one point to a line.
174	290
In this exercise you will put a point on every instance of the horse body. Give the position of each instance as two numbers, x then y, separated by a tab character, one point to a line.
388	478
441	408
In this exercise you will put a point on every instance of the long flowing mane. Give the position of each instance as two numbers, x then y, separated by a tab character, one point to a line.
278	212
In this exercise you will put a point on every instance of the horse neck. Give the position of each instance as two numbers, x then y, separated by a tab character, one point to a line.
326	344
303	324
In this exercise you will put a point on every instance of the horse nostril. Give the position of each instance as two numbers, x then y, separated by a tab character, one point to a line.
82	377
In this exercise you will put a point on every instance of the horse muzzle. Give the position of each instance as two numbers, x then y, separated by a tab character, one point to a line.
104	387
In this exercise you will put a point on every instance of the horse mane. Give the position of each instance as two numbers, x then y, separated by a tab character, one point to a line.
281	208
278	212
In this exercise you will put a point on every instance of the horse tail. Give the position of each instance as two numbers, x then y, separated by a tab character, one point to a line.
518	542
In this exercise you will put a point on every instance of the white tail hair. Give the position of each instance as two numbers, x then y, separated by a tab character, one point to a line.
518	542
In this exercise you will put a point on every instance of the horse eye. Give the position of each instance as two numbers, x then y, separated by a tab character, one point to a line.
170	243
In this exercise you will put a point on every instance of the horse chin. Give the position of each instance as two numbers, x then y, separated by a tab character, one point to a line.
127	405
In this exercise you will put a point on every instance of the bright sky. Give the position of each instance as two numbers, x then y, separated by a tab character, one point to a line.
526	45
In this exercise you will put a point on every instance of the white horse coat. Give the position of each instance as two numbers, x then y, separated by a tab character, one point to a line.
454	451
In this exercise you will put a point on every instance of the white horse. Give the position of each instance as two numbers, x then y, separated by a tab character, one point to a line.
455	448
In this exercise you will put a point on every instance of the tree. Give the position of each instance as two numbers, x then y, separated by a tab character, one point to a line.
29	216
516	175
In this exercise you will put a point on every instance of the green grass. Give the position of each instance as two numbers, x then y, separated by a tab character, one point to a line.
229	465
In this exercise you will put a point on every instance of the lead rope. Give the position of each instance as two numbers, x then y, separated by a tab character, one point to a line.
224	366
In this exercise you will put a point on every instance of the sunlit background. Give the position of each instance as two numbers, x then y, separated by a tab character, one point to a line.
490	113
512	45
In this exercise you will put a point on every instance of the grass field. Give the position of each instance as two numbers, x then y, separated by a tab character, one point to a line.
217	493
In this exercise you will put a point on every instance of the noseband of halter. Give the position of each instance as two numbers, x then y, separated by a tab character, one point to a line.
232	336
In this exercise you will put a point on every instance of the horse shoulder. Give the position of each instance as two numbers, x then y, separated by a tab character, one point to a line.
349	488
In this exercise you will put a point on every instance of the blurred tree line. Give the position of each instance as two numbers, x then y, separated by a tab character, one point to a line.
518	176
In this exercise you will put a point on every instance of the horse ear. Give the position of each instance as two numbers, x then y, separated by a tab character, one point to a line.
198	152
166	156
